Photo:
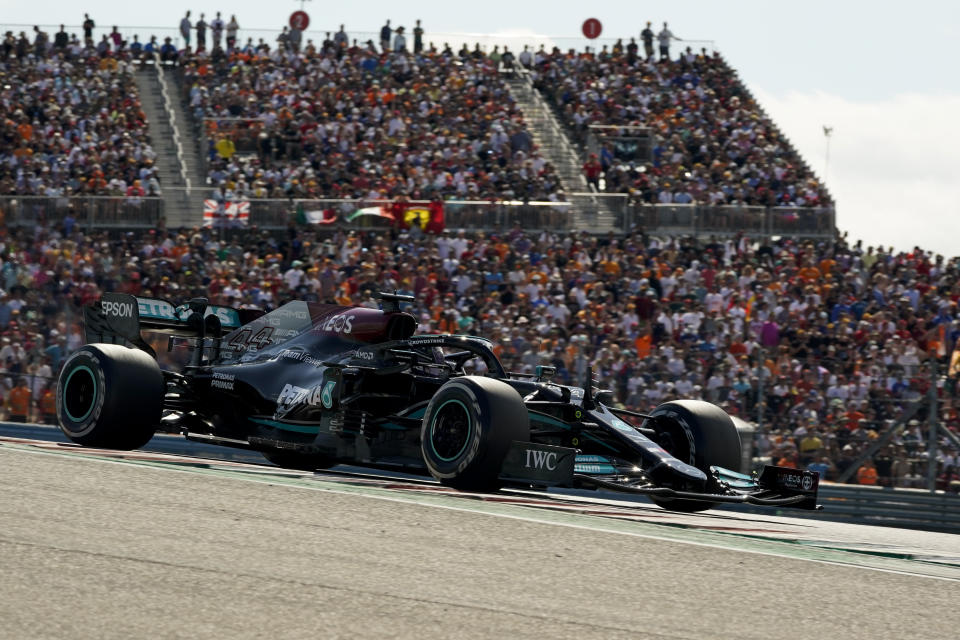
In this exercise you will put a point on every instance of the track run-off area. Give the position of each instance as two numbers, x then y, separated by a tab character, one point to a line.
107	544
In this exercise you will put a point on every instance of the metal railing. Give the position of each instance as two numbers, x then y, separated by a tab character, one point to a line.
467	214
121	212
699	220
172	117
552	132
317	33
85	212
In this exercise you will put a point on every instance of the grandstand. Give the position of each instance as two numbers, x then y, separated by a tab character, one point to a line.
697	257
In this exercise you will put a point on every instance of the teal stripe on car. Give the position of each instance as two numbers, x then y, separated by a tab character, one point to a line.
286	426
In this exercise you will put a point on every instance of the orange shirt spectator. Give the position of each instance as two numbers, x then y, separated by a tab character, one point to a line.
18	401
48	406
25	129
644	345
867	474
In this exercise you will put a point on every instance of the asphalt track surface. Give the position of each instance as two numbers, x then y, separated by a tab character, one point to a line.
96	544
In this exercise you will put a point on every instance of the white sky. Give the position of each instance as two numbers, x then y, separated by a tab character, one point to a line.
882	74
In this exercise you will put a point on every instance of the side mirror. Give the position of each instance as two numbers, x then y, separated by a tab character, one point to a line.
605	396
545	373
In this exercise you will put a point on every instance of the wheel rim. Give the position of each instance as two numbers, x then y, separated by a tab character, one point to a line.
451	430
674	441
79	393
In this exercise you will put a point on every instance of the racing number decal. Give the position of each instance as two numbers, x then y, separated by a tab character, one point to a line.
245	338
326	397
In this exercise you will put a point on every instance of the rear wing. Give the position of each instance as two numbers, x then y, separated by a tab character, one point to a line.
119	317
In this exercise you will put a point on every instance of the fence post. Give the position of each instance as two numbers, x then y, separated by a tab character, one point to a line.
932	427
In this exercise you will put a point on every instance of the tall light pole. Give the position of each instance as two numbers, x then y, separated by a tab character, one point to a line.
827	132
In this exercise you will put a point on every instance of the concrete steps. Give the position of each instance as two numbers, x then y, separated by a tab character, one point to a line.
182	198
591	212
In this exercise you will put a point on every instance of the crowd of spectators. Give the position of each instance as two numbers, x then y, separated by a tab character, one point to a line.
341	121
70	119
710	141
826	344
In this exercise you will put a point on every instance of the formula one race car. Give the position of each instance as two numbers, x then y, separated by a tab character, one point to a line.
313	385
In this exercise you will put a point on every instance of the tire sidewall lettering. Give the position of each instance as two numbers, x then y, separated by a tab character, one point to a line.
83	427
465	395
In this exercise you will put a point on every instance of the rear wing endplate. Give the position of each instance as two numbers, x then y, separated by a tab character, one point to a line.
119	317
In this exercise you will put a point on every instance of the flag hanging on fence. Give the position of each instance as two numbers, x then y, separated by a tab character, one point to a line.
419	216
230	213
382	212
317	216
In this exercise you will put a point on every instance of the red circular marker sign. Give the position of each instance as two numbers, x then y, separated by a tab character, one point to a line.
592	28
299	20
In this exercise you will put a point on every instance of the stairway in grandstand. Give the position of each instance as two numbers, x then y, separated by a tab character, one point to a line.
592	213
177	162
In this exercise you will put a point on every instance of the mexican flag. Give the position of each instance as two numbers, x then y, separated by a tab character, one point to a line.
383	212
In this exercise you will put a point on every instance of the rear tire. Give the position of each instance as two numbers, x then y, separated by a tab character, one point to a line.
298	461
700	434
467	430
110	396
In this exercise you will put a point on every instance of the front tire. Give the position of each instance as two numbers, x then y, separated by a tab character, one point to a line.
110	396
700	434
467	430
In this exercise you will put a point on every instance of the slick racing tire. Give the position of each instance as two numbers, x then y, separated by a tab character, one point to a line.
298	461
701	434
468	428
110	396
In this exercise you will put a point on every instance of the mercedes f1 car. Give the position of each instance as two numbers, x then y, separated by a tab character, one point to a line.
314	385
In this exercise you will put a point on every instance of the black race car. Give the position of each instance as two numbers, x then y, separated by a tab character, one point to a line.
313	385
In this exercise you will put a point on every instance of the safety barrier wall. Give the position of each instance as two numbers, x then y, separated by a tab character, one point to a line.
904	508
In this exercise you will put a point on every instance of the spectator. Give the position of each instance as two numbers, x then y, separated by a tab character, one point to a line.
18	401
168	52
647	36
185	27
47	404
592	170
232	28
400	41
664	38
201	28
340	39
225	148
385	33
216	28
867	473
61	39
88	26
116	38
418	38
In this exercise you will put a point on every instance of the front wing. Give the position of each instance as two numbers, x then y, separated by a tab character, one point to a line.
548	465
